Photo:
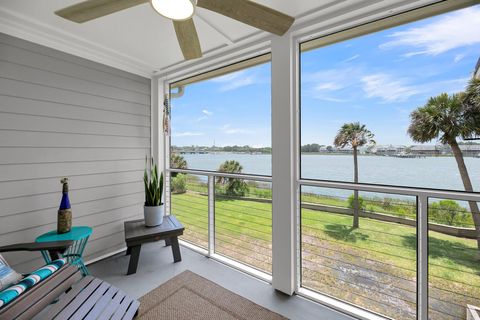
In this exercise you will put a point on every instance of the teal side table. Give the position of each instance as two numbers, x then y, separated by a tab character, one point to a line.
79	236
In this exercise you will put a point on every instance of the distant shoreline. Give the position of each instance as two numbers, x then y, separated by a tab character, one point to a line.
406	156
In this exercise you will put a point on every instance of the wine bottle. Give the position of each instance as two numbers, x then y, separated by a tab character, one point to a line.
64	221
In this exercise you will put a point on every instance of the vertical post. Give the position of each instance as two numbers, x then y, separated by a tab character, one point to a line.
298	235
164	147
422	257
284	75
156	112
156	136
167	175
211	215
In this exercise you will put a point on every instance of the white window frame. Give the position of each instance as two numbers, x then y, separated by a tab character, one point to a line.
422	195
285	156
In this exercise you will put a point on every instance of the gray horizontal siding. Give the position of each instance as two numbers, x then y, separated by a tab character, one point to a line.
62	115
69	111
22	52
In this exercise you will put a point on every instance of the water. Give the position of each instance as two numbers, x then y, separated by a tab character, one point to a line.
429	172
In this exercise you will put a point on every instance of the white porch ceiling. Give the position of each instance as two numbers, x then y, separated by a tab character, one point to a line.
140	41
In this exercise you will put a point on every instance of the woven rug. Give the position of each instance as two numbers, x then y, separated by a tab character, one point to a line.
190	296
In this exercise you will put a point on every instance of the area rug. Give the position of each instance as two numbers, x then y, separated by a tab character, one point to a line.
190	296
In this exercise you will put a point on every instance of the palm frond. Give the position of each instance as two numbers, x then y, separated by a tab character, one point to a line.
354	135
442	118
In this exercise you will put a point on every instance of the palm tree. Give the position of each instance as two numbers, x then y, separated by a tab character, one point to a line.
447	118
234	187
354	135
471	101
177	162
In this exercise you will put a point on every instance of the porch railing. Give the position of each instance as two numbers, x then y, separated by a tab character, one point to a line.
233	225
382	266
391	269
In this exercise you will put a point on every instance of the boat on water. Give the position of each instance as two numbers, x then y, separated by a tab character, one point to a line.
407	155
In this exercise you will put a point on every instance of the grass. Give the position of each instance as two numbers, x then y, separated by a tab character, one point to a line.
371	266
404	208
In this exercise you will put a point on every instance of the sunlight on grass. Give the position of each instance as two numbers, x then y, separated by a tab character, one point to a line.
243	230
374	265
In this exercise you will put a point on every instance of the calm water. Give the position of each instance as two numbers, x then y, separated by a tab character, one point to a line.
429	172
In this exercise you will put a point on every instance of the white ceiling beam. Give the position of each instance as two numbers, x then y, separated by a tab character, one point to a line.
228	40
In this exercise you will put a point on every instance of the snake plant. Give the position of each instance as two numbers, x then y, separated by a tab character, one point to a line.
153	186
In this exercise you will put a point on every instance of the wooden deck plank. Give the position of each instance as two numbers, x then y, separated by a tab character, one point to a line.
132	310
102	304
112	306
81	297
122	308
84	310
56	308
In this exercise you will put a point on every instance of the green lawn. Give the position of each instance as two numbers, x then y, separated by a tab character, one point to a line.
401	207
372	266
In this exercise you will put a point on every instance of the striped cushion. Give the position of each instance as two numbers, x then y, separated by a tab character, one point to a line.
11	293
8	276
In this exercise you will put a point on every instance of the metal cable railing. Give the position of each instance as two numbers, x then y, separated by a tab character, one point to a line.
248	222
375	266
236	225
193	213
381	266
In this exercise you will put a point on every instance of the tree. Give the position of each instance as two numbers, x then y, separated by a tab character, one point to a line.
447	118
354	135
448	212
179	183
233	186
352	202
471	102
177	162
314	147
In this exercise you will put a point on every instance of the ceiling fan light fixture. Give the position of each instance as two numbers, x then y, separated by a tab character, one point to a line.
174	9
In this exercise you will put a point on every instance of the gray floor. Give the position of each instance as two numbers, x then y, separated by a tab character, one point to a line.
156	266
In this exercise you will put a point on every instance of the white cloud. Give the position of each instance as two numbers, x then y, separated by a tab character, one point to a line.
227	129
391	89
351	58
235	80
324	97
188	134
387	88
458	58
454	30
333	79
229	77
341	85
201	118
329	86
449	86
323	83
207	113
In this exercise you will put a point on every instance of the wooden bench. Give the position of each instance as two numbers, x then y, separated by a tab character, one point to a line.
85	298
92	298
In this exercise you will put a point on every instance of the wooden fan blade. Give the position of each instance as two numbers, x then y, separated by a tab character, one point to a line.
92	9
251	13
188	39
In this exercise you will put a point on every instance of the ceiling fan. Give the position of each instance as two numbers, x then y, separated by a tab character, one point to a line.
181	12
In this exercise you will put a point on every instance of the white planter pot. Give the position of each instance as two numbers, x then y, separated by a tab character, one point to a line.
153	215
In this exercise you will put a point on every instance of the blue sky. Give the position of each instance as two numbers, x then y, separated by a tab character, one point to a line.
234	109
376	79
